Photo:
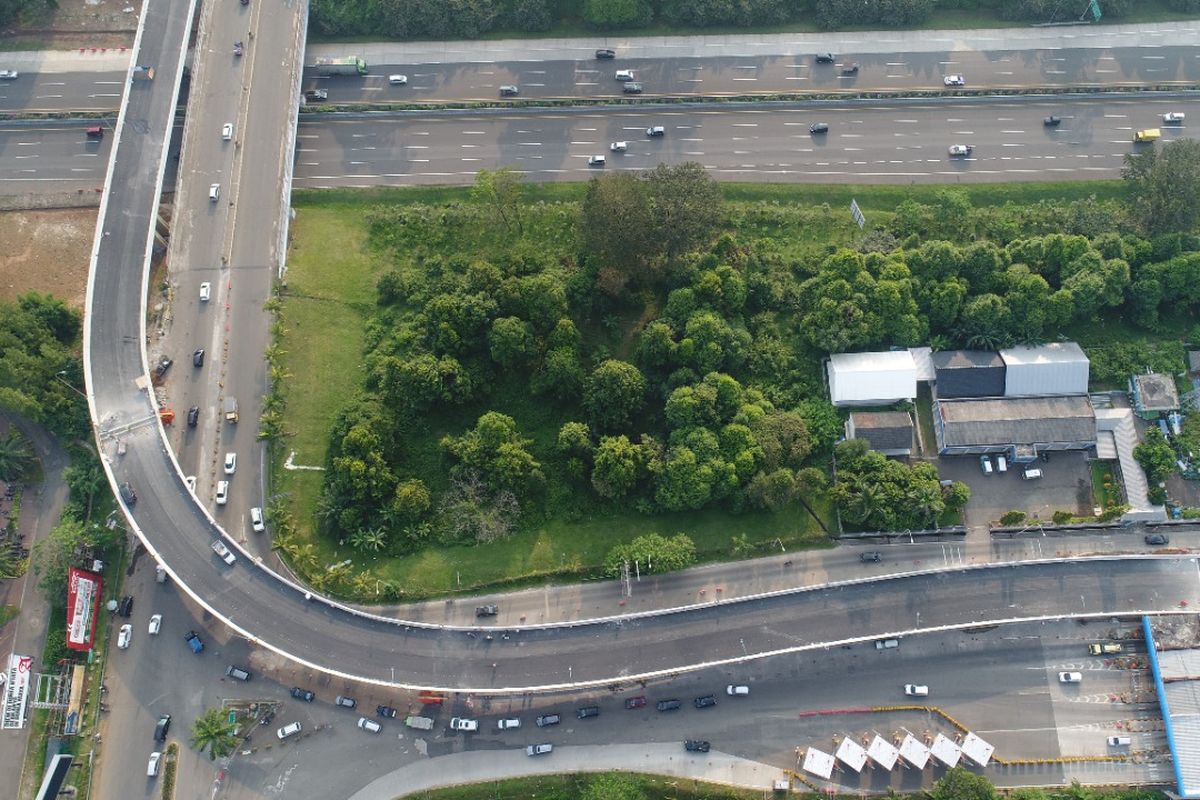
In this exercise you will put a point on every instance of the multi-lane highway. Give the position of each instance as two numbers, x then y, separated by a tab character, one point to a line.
867	141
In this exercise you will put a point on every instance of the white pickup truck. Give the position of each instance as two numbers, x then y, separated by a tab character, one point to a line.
221	550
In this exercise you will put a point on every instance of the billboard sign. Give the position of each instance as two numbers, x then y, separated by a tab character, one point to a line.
83	604
16	691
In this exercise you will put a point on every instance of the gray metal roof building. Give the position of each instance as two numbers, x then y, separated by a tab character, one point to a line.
1153	392
889	432
1174	673
969	373
996	425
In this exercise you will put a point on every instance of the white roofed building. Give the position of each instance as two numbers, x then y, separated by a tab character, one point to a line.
872	379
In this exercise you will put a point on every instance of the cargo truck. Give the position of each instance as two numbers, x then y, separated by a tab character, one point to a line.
1104	648
349	65
1148	135
231	409
420	723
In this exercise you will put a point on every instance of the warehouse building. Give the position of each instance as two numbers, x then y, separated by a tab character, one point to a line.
1058	368
969	373
1020	427
889	432
872	379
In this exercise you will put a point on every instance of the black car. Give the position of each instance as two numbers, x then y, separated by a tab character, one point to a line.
705	702
313	95
509	90
163	365
850	69
696	746
198	357
1052	121
267	717
819	127
386	711
587	711
302	694
193	416
606	53
870	556
825	58
1157	538
128	495
668	705
125	607
161	727
487	611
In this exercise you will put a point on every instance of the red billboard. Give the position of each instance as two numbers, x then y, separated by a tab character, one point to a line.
83	605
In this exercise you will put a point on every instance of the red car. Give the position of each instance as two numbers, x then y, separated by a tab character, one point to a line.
635	702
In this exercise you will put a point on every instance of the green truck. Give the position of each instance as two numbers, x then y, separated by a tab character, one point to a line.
348	65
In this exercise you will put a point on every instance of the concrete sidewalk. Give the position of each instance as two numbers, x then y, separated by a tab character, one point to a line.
59	61
781	44
490	765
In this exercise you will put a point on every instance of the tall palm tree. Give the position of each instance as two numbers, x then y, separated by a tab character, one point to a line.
213	732
15	456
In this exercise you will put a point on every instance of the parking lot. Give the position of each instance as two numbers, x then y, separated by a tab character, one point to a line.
1066	484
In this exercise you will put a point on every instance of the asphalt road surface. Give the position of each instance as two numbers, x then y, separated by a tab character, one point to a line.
875	142
897	142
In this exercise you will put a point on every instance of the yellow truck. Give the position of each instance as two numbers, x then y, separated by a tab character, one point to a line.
1104	648
1148	135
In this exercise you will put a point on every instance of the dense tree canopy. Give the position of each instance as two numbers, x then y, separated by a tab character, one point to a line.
40	372
1164	186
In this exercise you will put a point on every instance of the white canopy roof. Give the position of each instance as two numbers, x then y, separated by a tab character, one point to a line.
914	751
818	763
852	754
977	749
945	750
883	752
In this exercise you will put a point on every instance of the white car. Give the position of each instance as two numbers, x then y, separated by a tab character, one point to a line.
539	749
619	147
397	80
508	724
227	131
369	725
624	75
221	550
1173	118
288	730
124	636
152	766
214	192
205	291
222	492
230	463
463	724
954	80
8	74
256	520
961	149
1070	677
733	690
916	690
596	161
155	624
190	482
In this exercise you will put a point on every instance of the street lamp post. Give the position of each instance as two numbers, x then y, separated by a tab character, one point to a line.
59	377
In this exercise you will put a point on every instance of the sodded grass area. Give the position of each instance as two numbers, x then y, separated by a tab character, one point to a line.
1104	489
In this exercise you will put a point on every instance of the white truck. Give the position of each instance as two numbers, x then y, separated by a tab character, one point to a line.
419	723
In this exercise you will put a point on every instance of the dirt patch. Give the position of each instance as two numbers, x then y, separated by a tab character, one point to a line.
47	251
80	23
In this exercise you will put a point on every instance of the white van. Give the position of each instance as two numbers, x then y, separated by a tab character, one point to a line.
1031	474
1001	464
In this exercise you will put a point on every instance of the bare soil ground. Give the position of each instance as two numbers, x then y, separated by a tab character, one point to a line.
79	23
46	251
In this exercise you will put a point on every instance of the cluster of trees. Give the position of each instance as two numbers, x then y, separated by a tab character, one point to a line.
696	410
430	19
13	12
40	372
1156	457
877	493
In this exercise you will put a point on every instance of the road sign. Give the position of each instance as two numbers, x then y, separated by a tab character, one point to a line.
856	212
